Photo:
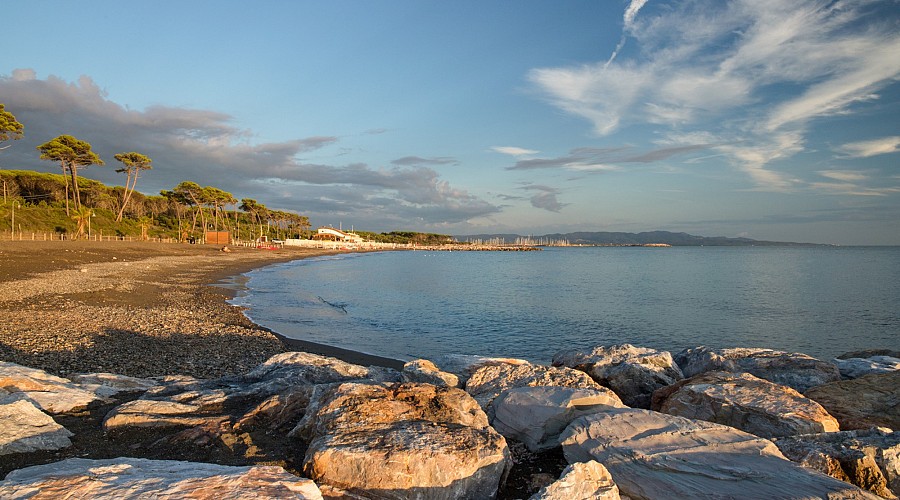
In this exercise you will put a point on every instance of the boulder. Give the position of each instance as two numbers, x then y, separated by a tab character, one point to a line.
50	393
632	372
868	401
296	368
868	353
424	371
745	402
464	365
537	415
26	428
402	441
106	385
230	416
136	478
857	367
581	481
489	381
795	370
868	458
654	455
279	412
146	413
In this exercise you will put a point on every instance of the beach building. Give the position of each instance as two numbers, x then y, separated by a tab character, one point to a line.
332	234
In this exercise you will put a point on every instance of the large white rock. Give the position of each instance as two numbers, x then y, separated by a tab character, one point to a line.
136	478
537	415
857	367
50	393
632	372
110	384
306	368
25	428
424	371
464	365
652	455
581	481
402	441
795	370
867	458
489	381
745	402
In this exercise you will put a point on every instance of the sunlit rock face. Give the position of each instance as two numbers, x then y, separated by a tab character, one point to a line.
654	455
537	415
402	441
632	372
795	370
868	401
25	428
581	481
745	402
135	478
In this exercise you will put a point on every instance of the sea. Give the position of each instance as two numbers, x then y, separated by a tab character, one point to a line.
818	300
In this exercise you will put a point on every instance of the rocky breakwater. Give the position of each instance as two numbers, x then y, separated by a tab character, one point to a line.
307	426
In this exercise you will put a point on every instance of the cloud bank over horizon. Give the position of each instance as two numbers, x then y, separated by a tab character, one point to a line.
202	146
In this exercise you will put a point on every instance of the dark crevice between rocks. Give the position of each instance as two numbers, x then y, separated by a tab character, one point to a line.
530	471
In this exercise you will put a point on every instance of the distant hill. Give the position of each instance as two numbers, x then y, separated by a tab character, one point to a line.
645	238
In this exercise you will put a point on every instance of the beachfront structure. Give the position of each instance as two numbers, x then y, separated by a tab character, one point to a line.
332	234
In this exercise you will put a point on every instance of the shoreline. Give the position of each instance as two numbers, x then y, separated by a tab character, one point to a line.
227	285
139	308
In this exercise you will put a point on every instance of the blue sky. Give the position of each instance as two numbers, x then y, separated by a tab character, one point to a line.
775	120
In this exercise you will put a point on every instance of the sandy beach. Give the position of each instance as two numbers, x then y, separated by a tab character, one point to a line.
137	308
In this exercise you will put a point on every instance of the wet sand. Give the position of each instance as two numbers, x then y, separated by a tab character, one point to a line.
138	308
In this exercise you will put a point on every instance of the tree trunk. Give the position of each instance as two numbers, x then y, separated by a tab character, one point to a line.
76	193
125	196
66	180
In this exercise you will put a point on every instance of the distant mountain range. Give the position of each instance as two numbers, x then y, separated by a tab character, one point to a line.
624	239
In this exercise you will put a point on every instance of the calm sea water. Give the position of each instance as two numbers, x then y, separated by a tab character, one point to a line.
822	301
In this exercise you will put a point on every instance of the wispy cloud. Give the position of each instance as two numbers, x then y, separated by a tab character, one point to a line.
204	146
514	151
603	159
852	183
844	175
778	65
418	160
875	147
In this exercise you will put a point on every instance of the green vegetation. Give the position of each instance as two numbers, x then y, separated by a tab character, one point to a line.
134	163
36	202
10	128
72	154
406	237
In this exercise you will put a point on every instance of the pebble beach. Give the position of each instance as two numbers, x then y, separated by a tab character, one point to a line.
137	308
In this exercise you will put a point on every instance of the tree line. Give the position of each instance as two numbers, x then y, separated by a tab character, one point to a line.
188	210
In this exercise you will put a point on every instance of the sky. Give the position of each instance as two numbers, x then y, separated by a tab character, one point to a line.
767	119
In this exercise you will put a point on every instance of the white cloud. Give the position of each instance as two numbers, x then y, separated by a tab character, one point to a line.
844	175
851	183
755	73
514	151
875	147
628	21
